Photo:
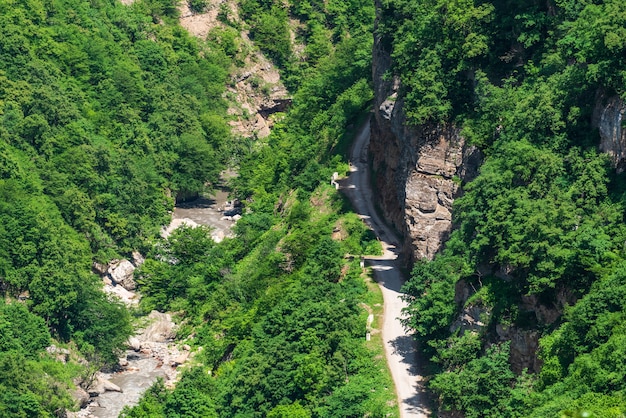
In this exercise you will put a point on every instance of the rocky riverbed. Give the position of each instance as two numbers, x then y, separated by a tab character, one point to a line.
152	352
215	211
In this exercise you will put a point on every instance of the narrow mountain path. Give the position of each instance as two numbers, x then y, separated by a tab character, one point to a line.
400	347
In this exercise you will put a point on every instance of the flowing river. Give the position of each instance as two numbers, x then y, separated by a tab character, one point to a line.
207	211
143	370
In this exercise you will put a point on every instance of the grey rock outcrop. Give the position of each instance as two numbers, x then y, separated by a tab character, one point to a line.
386	108
608	117
161	328
121	272
138	259
99	268
470	319
524	345
81	397
60	354
548	314
474	317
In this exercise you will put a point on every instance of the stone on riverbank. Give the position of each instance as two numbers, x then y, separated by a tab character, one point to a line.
134	343
181	359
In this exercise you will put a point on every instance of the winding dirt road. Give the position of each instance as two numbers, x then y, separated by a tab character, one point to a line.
400	347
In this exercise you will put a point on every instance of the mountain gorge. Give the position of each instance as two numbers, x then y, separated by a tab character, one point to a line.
497	152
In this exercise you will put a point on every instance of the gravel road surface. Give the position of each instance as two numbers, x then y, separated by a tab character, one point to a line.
400	347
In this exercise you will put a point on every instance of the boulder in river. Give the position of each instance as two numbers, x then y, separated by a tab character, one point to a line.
110	386
134	343
101	385
95	389
121	272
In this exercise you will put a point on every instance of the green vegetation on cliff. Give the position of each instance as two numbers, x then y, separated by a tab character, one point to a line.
104	109
540	232
107	111
278	313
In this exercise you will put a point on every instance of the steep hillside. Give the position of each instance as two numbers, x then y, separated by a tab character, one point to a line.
255	91
279	315
516	294
107	112
110	112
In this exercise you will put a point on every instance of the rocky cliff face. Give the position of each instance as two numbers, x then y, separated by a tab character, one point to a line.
418	169
476	316
608	117
418	172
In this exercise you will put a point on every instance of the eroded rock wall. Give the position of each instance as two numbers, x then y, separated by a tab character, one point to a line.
417	169
256	90
608	117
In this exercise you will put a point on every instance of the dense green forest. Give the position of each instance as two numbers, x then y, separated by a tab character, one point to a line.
278	311
106	112
541	229
109	112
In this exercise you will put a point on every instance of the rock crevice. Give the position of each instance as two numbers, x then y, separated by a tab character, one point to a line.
608	118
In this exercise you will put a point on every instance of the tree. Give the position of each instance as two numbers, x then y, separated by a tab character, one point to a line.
481	388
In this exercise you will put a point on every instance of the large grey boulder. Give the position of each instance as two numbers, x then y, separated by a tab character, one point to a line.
110	386
101	385
121	272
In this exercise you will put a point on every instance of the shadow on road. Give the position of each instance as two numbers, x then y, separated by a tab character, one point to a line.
415	404
418	403
381	267
404	346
